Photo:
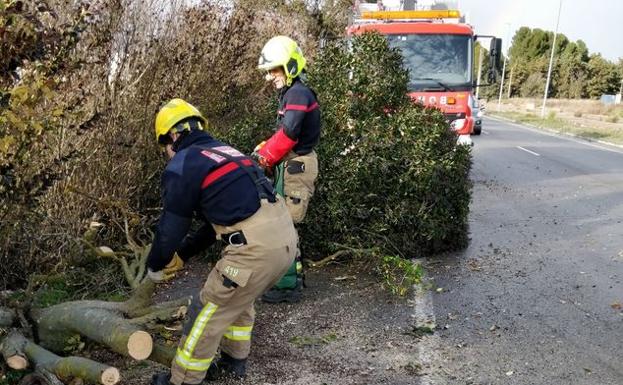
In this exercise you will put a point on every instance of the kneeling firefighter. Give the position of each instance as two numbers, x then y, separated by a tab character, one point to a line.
291	148
208	178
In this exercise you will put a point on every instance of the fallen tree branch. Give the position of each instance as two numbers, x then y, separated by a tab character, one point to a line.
162	354
345	250
132	263
326	260
64	367
164	314
40	377
165	306
7	317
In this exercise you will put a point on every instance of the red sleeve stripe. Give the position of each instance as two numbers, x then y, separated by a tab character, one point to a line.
223	170
300	107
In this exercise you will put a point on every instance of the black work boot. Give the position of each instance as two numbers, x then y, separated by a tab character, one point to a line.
163	378
285	295
227	366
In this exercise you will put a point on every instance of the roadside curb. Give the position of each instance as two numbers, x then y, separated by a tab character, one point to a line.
556	132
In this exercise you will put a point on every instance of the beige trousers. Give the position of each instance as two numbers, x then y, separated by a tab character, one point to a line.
223	313
299	183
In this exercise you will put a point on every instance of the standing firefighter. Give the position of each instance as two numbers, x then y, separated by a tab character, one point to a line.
291	148
230	193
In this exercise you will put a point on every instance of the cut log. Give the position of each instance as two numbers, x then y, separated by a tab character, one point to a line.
63	367
57	324
13	355
140	345
16	362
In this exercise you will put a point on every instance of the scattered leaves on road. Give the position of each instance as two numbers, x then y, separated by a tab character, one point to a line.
422	329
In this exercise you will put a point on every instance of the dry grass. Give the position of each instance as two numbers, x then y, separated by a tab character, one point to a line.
585	118
591	109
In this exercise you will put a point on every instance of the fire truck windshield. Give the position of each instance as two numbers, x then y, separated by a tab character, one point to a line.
436	61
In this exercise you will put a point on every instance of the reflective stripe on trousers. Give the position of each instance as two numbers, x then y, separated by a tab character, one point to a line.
238	333
184	356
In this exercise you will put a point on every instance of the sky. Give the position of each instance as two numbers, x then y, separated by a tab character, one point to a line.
599	23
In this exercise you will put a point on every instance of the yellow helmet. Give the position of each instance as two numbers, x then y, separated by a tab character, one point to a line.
174	112
281	51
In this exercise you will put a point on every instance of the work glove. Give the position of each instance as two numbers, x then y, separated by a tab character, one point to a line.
176	264
259	146
261	161
158	276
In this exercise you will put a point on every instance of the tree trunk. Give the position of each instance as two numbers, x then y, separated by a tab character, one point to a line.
63	367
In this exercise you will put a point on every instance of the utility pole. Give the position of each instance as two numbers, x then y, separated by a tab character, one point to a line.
508	25
510	83
480	57
551	62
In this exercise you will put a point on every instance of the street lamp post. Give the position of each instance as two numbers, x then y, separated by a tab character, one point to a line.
480	57
551	62
508	32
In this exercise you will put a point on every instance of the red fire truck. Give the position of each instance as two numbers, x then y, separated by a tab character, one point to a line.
438	50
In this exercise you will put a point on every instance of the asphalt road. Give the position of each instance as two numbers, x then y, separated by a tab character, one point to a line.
536	298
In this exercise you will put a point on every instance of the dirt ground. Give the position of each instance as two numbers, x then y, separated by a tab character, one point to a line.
346	330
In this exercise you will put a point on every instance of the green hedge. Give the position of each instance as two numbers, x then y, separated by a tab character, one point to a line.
392	175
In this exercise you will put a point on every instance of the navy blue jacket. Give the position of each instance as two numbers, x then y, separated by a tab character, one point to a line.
199	182
299	116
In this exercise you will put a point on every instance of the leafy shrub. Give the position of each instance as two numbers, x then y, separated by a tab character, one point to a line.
391	173
399	274
33	141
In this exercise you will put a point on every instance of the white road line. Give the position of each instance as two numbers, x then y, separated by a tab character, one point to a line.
485	132
528	151
428	345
